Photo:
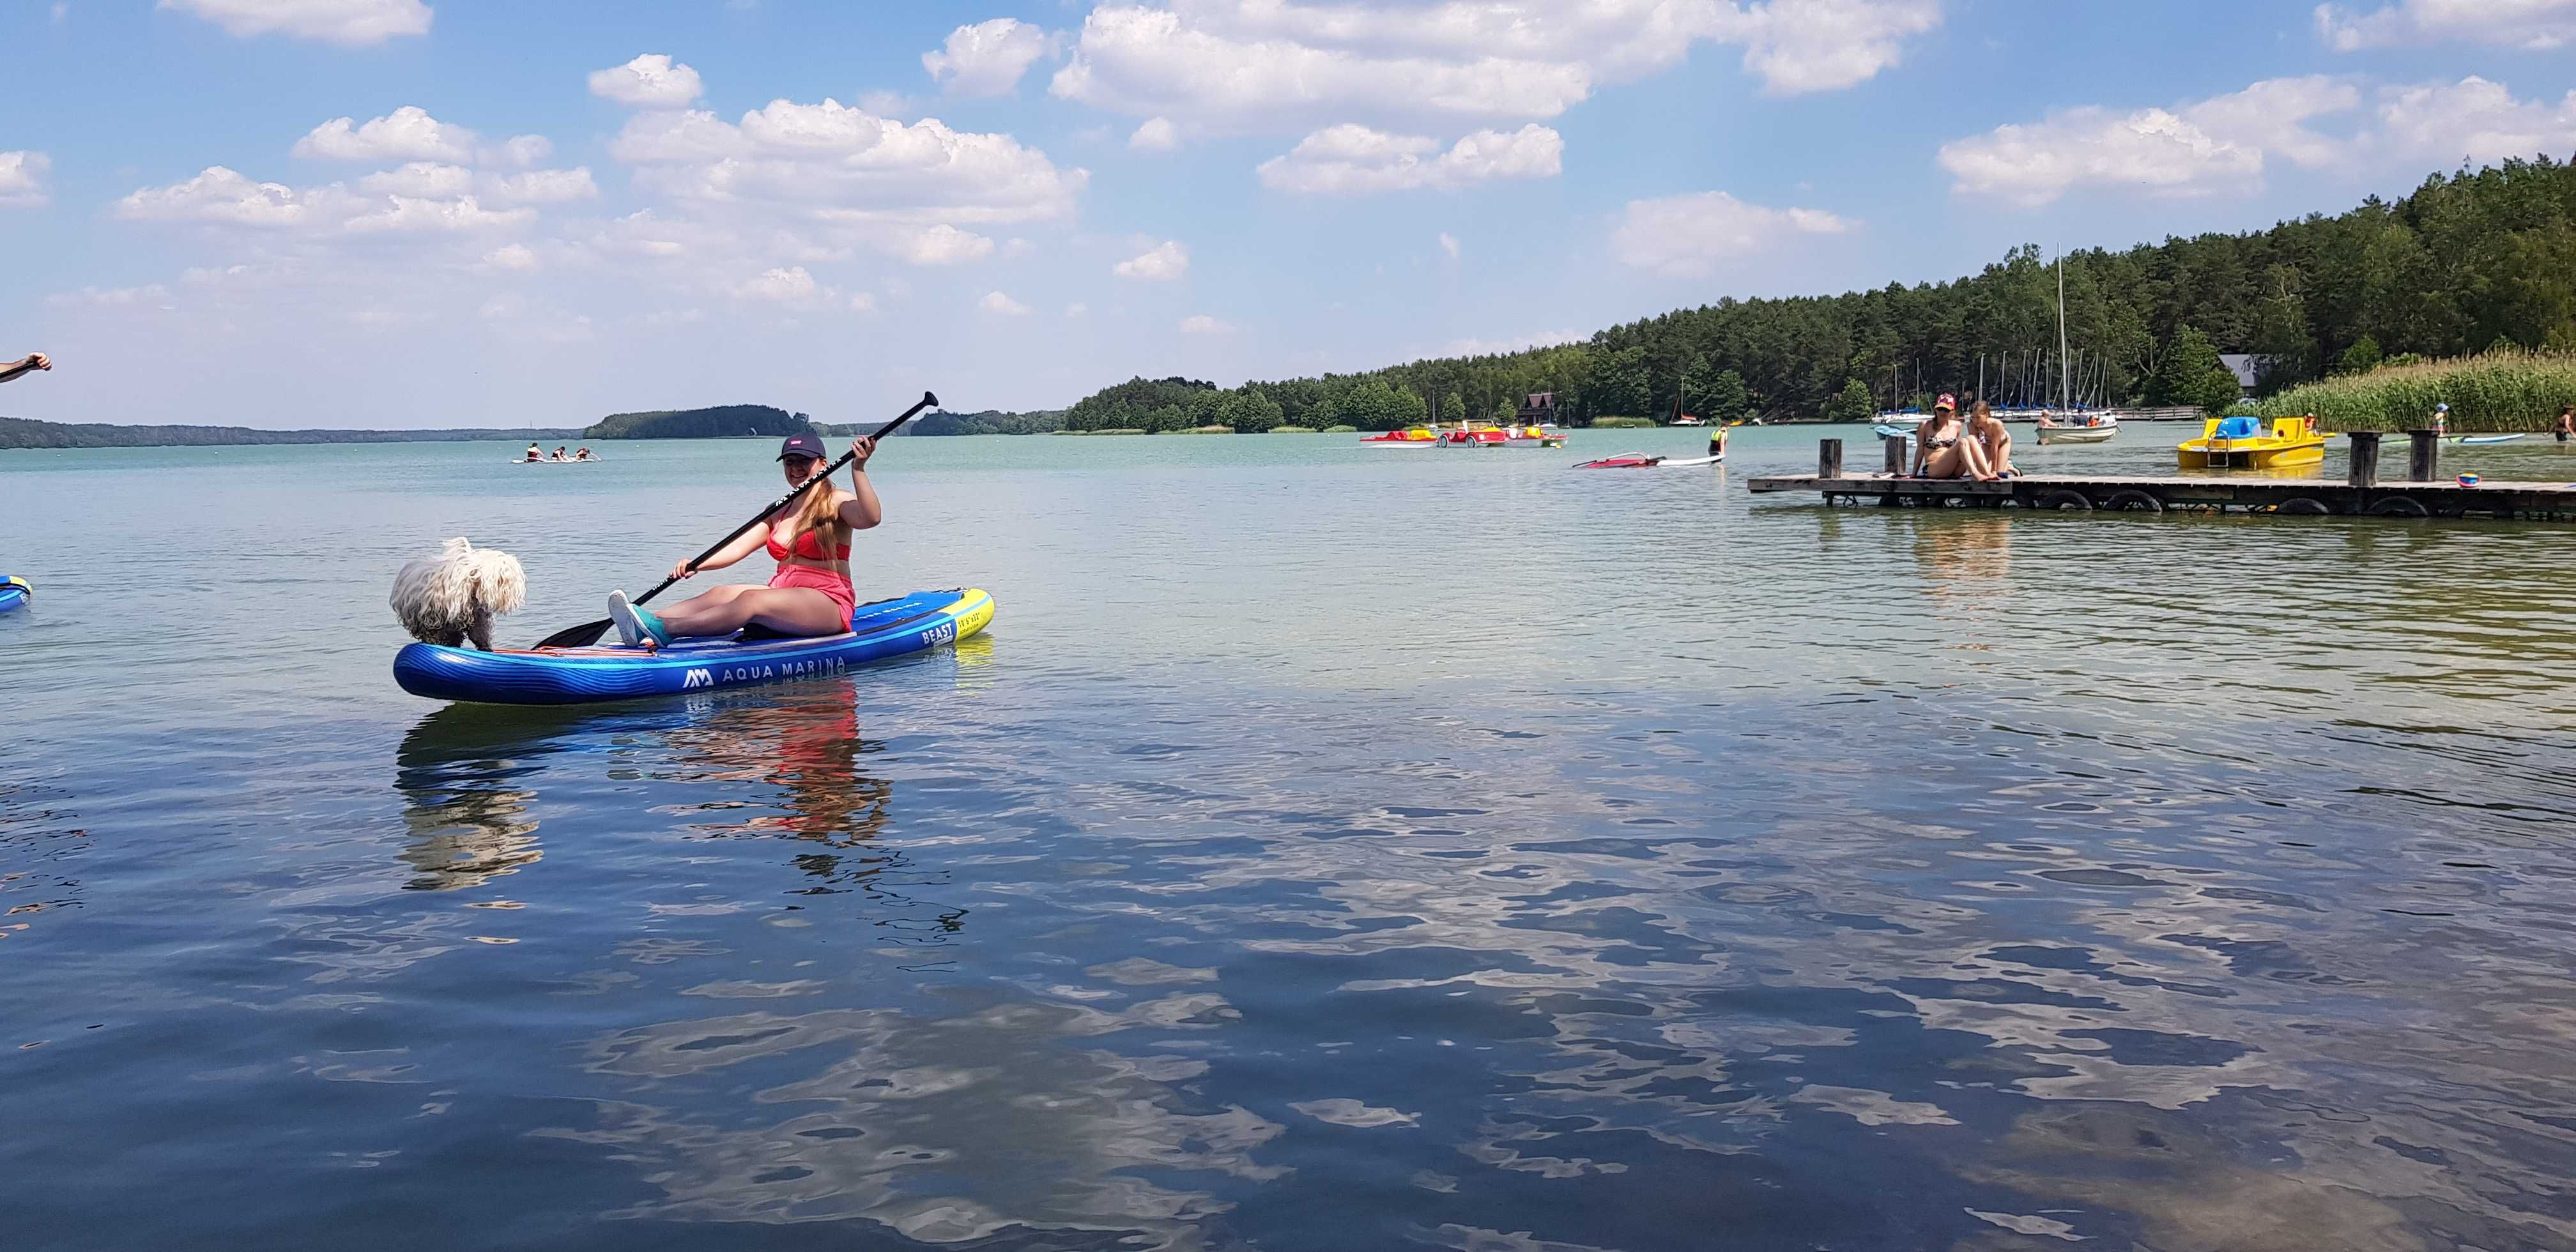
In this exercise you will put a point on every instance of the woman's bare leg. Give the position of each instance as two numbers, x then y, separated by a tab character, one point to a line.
787	610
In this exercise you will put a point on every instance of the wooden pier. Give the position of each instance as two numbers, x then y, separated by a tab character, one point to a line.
2422	493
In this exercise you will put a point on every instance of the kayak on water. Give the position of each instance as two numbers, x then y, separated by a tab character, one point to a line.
2484	438
887	628
15	594
1639	460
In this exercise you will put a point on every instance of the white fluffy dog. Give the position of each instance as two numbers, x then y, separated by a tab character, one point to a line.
452	597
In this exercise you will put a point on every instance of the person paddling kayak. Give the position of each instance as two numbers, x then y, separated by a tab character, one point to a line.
27	364
810	594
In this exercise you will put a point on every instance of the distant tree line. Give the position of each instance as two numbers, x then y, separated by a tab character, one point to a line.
2469	262
20	432
988	422
718	422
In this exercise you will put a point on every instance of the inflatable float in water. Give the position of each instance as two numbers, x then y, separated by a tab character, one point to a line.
887	628
15	594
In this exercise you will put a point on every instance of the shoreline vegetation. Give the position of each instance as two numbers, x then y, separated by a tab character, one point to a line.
2453	293
2491	393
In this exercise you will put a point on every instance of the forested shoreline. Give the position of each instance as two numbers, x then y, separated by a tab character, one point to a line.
2469	262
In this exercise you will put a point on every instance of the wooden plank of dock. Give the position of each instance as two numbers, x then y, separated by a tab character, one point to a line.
2156	494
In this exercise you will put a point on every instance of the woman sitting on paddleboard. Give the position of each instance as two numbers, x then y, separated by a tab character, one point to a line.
809	595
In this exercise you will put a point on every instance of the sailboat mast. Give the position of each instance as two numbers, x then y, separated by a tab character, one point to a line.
2065	377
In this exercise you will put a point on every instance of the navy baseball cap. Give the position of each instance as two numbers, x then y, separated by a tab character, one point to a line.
802	445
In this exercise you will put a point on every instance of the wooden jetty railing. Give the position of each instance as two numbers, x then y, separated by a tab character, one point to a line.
2423	492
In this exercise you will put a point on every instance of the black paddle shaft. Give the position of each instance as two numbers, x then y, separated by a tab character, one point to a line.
589	632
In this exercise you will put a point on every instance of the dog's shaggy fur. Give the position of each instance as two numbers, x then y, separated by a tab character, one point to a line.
452	597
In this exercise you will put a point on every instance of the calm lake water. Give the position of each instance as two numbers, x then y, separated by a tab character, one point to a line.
1326	849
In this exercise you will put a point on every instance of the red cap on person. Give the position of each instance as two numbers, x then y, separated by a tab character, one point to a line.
1947	401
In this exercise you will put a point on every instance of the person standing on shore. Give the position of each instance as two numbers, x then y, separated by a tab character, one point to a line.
26	364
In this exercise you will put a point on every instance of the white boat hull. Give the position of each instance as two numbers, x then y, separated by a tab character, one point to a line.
2077	434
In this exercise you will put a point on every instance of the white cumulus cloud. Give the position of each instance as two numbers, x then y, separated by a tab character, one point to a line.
650	81
219	195
1351	159
2530	25
2473	119
1449	244
420	178
511	256
521	151
987	58
406	134
1202	324
946	245
1267	65
1702	232
1154	134
1166	261
996	302
545	186
2188	150
830	161
352	22
22	179
790	285
404	213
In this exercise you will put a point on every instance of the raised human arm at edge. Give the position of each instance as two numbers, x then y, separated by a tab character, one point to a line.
862	511
32	361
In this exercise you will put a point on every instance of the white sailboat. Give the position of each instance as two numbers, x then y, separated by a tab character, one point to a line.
2077	427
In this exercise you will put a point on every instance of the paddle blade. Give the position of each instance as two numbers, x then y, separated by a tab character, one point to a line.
581	636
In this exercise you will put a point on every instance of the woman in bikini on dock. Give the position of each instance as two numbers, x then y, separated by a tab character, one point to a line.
1943	448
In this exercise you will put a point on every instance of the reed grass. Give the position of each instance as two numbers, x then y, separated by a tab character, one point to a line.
2496	392
1623	423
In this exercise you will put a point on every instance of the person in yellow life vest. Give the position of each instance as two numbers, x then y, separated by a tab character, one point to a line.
1717	440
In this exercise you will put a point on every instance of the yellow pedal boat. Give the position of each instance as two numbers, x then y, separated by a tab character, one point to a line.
2243	443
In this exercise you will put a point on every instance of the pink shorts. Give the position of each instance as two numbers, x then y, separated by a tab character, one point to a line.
832	585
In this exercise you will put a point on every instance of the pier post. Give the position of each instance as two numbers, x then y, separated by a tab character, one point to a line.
1829	458
2424	455
1896	466
2365	458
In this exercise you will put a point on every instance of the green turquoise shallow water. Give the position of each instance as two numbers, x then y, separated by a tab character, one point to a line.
1326	848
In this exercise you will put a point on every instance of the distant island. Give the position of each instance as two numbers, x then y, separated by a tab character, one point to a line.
718	422
2443	272
20	432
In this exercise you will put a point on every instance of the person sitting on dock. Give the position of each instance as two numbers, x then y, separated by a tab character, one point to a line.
1994	442
1941	449
31	362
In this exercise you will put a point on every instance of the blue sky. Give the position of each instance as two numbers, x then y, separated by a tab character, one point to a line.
388	213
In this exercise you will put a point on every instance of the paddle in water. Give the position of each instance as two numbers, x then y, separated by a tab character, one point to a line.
588	633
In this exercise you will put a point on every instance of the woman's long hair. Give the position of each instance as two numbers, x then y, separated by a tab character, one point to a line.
816	512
